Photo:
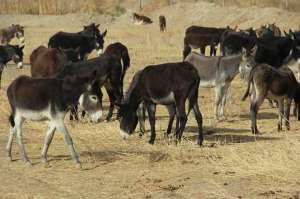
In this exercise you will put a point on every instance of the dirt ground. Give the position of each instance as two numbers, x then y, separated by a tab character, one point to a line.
232	163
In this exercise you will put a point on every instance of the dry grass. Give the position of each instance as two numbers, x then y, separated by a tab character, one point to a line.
232	164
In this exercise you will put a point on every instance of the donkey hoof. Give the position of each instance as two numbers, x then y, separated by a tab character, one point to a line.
28	163
279	128
44	160
78	165
9	158
151	142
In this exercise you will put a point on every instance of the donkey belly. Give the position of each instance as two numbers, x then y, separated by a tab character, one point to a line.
169	99
36	115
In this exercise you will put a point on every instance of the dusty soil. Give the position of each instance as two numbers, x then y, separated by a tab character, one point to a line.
232	163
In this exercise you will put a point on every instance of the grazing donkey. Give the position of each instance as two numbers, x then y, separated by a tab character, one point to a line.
8	53
269	82
162	23
216	71
166	84
48	99
7	34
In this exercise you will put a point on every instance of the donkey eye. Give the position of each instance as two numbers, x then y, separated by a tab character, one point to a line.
93	97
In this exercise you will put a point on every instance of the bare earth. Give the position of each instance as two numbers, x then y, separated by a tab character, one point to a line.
232	164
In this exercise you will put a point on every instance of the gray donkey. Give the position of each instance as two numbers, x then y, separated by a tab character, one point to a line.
218	72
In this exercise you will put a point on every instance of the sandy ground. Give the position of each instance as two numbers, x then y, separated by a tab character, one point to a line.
232	164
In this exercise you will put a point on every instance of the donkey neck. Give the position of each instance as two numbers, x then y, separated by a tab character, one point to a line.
72	92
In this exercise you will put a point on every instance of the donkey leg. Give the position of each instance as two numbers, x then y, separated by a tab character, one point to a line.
202	50
219	90
18	126
68	139
47	142
172	113
224	98
186	51
287	108
12	133
151	113
256	101
141	117
181	116
1	70
111	105
280	114
74	113
199	119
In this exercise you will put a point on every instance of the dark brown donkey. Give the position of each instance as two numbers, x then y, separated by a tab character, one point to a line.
45	62
48	99
166	84
268	82
120	51
109	72
162	23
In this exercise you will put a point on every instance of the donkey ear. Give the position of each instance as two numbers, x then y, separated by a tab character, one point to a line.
97	26
22	47
104	33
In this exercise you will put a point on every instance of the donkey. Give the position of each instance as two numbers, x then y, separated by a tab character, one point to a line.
121	51
87	40
269	82
166	84
142	108
8	53
162	23
218	72
200	37
45	62
7	34
141	19
48	99
109	72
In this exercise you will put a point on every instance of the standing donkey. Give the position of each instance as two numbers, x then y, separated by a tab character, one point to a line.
48	99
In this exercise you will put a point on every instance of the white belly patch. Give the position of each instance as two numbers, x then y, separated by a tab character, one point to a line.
165	100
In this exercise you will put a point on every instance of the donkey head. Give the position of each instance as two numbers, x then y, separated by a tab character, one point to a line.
128	120
19	32
92	30
17	55
100	42
246	64
88	98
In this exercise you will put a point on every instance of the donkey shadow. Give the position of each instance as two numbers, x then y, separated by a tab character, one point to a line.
230	135
260	115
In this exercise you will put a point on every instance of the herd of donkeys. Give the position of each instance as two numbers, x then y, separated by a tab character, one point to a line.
64	79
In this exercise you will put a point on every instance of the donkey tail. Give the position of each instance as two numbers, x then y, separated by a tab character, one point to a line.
11	120
248	85
193	96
